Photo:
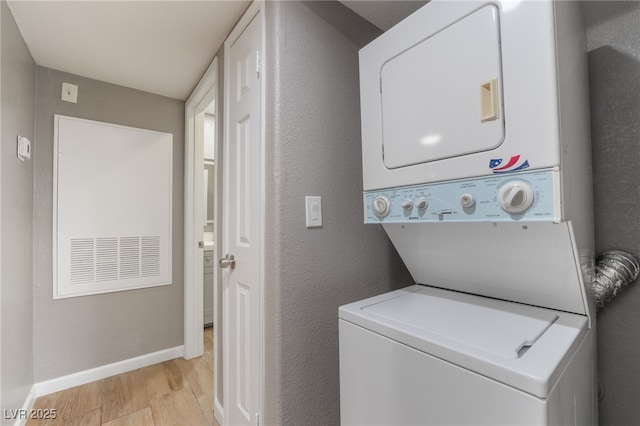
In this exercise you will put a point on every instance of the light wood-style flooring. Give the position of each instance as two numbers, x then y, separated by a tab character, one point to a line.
176	392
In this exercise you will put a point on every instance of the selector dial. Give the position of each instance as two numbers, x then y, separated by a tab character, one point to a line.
467	200
407	204
422	203
381	206
515	196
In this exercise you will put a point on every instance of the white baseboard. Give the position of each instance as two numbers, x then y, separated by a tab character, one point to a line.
87	376
208	316
218	412
26	407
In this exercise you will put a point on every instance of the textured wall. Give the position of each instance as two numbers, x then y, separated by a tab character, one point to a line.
613	38
80	333
313	148
18	85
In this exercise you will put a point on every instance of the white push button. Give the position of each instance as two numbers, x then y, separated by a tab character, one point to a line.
467	200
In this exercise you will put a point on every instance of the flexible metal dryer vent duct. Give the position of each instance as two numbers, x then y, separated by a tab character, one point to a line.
615	270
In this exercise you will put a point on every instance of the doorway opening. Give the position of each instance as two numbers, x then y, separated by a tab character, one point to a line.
208	231
203	179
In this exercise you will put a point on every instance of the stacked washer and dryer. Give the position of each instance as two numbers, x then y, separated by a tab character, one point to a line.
477	163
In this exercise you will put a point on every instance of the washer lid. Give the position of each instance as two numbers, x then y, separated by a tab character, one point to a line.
522	346
502	329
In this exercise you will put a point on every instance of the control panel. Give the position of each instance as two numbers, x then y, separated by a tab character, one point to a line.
525	196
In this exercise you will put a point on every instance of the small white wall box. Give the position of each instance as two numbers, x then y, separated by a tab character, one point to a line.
69	93
24	148
111	207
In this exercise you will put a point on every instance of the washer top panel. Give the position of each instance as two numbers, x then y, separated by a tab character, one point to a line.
525	347
488	325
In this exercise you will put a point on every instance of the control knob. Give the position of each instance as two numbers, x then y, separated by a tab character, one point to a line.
515	196
381	206
422	203
407	204
467	200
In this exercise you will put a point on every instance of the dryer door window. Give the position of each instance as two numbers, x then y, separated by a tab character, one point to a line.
442	98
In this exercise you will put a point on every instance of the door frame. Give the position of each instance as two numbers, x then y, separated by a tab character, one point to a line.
1	219
205	92
255	8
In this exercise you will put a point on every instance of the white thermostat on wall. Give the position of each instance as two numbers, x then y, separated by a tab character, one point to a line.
24	148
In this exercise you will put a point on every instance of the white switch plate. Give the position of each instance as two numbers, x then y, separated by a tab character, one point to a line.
24	148
69	93
314	211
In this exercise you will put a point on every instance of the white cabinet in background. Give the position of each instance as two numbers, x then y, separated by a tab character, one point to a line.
208	287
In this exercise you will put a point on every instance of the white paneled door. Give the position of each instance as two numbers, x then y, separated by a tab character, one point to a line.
242	240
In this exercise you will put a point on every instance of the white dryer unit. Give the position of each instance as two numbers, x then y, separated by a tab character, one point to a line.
476	161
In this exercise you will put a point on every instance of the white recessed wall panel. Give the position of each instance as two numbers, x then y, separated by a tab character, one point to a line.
111	209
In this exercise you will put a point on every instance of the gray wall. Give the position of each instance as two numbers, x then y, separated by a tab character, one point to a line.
80	333
613	41
18	85
313	148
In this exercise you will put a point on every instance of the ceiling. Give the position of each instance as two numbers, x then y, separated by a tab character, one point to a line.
384	14
162	47
158	46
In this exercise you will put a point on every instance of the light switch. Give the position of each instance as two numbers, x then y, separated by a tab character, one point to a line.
24	148
313	211
69	93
